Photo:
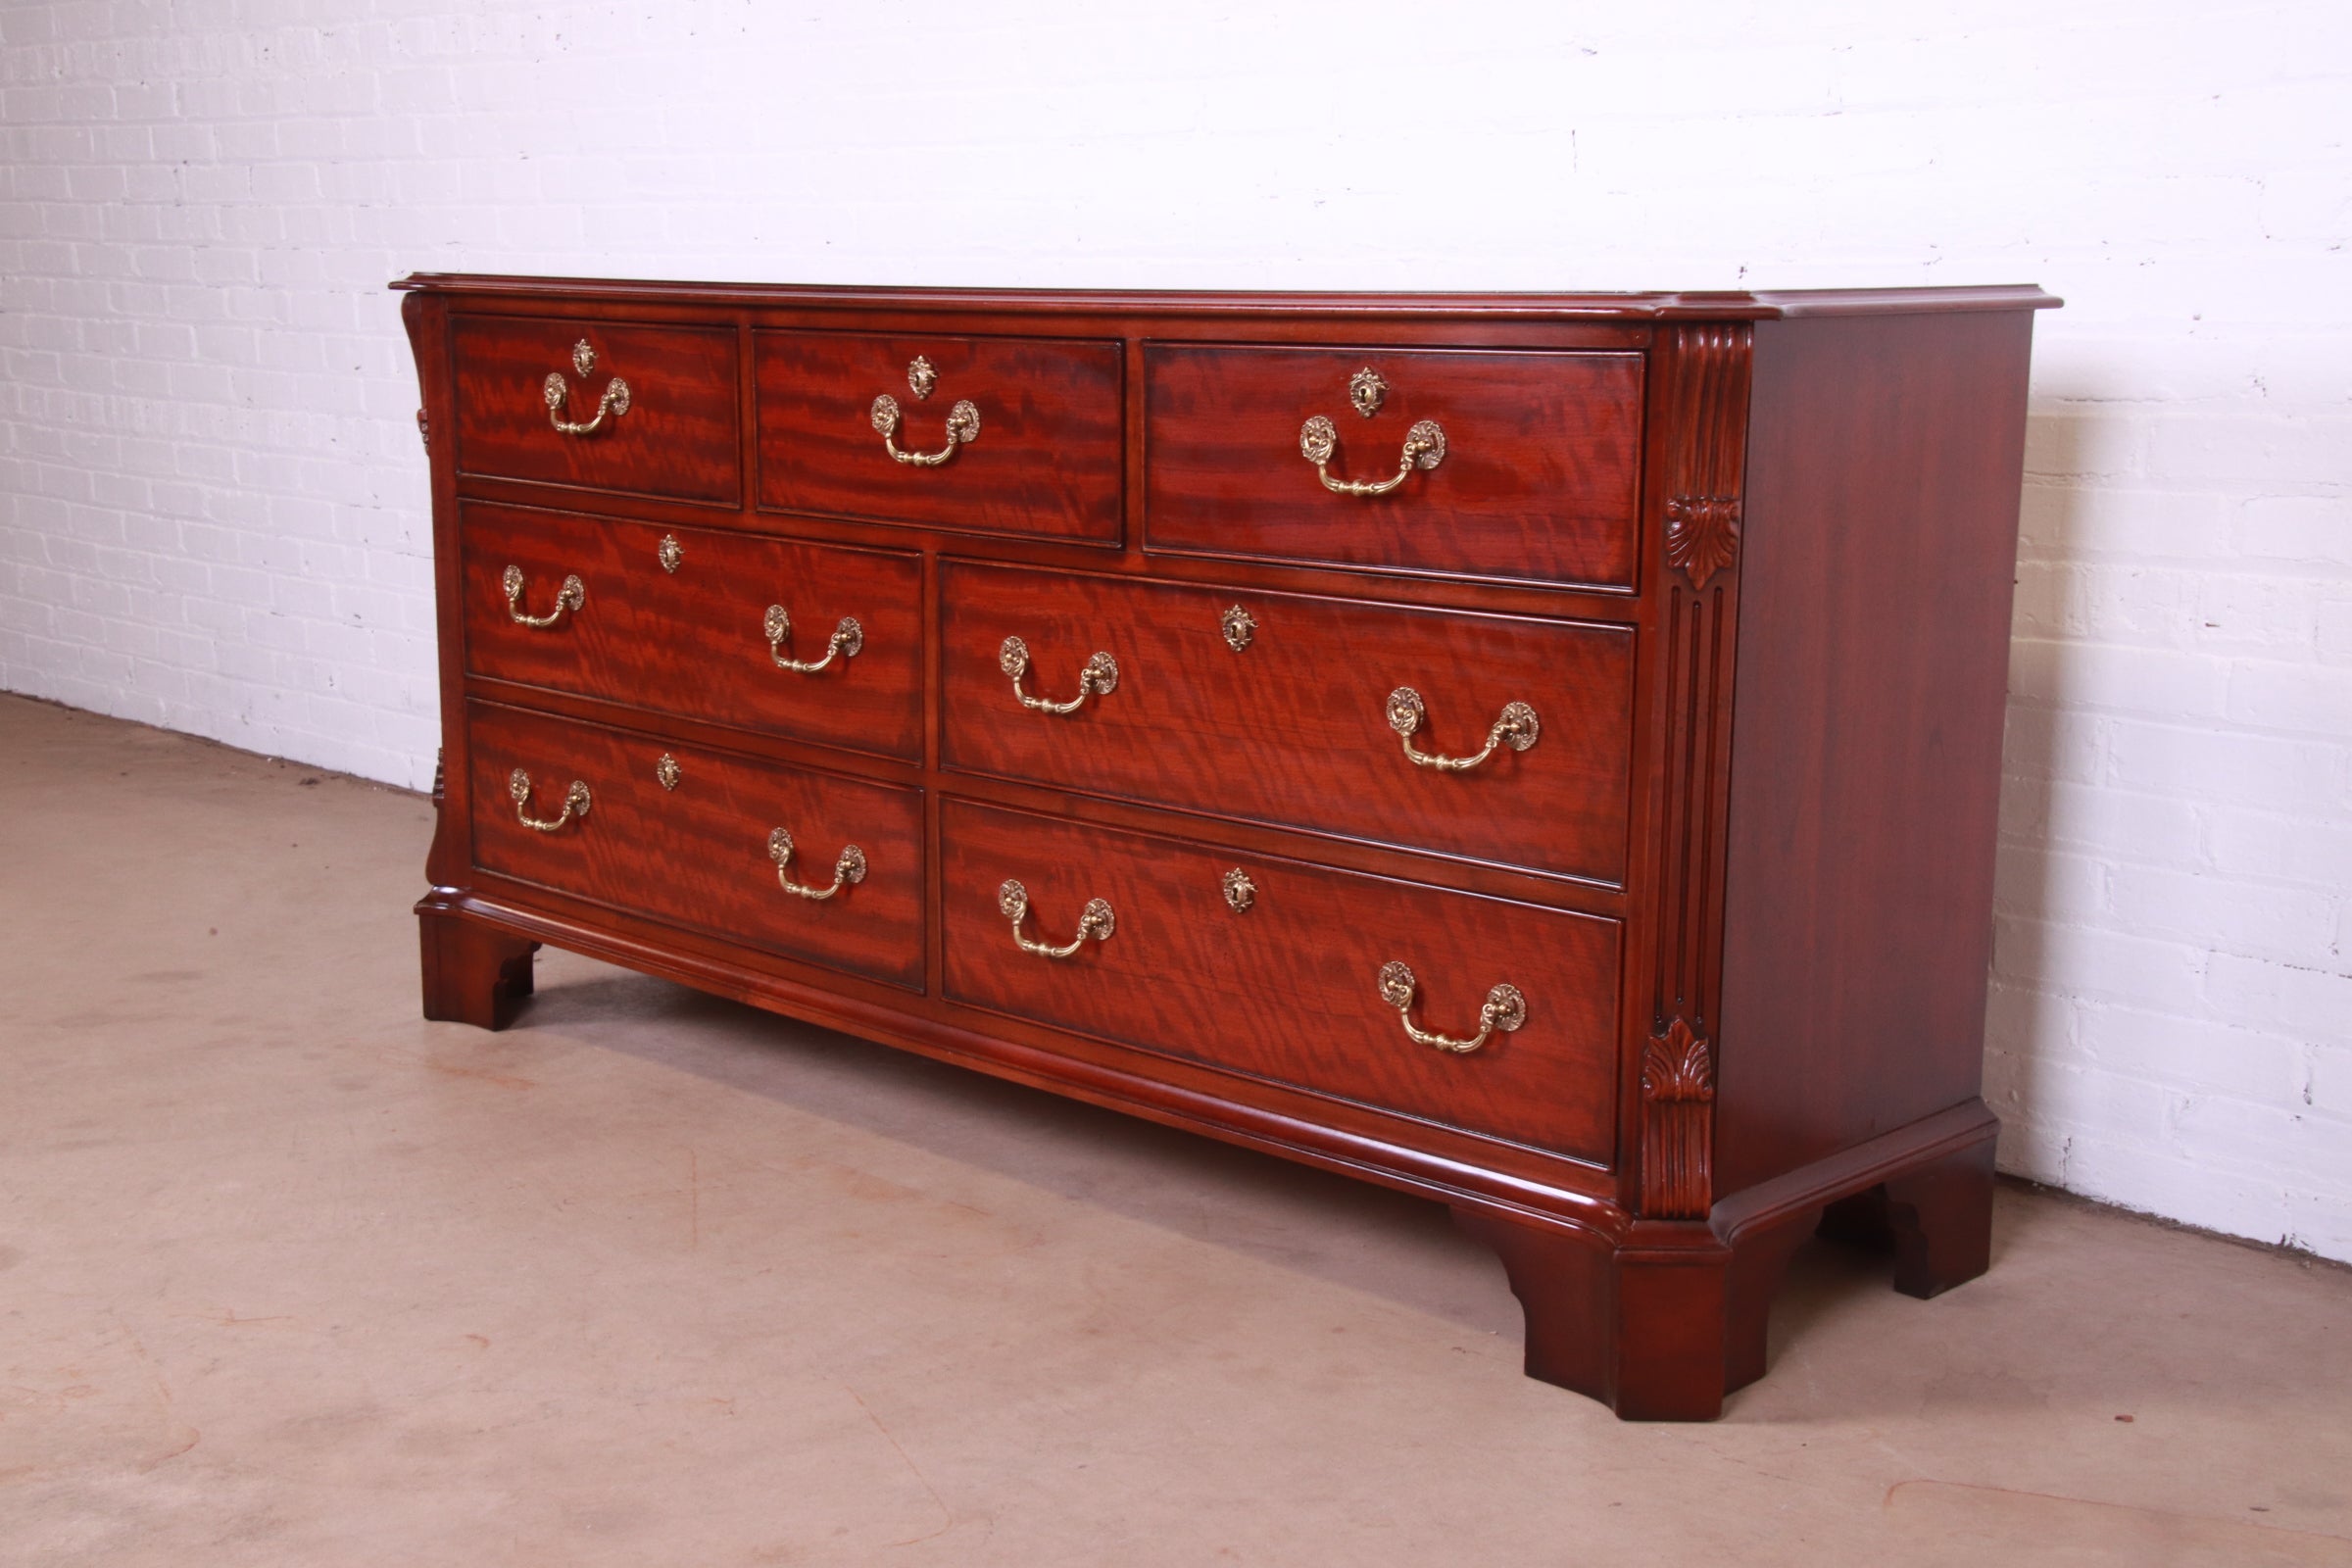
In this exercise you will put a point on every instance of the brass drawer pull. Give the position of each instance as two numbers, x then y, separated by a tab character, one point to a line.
518	790
1101	674
1095	921
571	596
848	867
848	641
557	393
1516	727
1319	439
963	425
1505	1010
964	420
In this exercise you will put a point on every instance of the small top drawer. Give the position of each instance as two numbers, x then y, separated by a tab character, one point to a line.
647	409
1480	463
979	434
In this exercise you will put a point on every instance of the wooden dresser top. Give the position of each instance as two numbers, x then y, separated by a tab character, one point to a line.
1738	305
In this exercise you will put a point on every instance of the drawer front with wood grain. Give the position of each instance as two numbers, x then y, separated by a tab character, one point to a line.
1291	972
1486	464
652	410
819	642
977	434
690	837
1292	710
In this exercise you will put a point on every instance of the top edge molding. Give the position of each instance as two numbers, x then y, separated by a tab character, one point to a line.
1598	307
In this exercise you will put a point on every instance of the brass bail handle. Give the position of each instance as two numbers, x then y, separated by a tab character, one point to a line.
1504	1009
1319	441
849	869
1101	673
570	597
1095	920
964	420
847	642
1515	727
518	790
557	393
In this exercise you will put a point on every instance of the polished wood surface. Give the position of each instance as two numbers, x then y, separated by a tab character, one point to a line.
1046	462
696	855
1873	673
1288	989
692	640
678	438
1293	728
1264	310
1538	480
1747	873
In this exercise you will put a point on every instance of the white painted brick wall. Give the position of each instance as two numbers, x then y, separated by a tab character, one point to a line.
215	499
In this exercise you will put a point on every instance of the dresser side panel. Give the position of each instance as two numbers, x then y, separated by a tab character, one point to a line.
1876	570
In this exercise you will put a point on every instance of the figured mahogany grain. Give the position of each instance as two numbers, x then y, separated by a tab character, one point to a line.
1288	989
1540	477
1045	462
680	436
693	641
1293	728
697	856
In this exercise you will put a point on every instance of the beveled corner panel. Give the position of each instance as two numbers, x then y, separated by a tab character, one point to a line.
816	642
688	836
1278	708
1279	969
1477	463
1005	435
603	405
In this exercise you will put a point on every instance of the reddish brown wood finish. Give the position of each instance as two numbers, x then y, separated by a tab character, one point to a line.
1292	729
1047	460
1873	655
697	856
693	641
1539	478
1699	437
678	438
474	973
1288	989
1835	542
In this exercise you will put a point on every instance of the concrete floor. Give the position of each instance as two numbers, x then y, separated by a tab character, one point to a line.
289	1276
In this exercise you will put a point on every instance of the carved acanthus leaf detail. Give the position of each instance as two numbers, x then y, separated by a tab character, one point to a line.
1678	1124
1677	1066
1702	535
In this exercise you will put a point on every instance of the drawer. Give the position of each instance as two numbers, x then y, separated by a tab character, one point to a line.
1042	457
1290	987
1539	478
678	434
1291	727
692	846
678	620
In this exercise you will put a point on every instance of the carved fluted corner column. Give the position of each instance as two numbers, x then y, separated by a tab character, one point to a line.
1705	401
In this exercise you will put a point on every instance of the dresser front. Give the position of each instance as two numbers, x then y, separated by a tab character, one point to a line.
1250	701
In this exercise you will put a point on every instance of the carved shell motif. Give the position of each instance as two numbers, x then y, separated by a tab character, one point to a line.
1702	535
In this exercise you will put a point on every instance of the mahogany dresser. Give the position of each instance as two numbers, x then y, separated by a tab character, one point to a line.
1538	751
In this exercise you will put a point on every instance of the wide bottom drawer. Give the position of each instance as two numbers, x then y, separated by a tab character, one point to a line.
690	837
1288	972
